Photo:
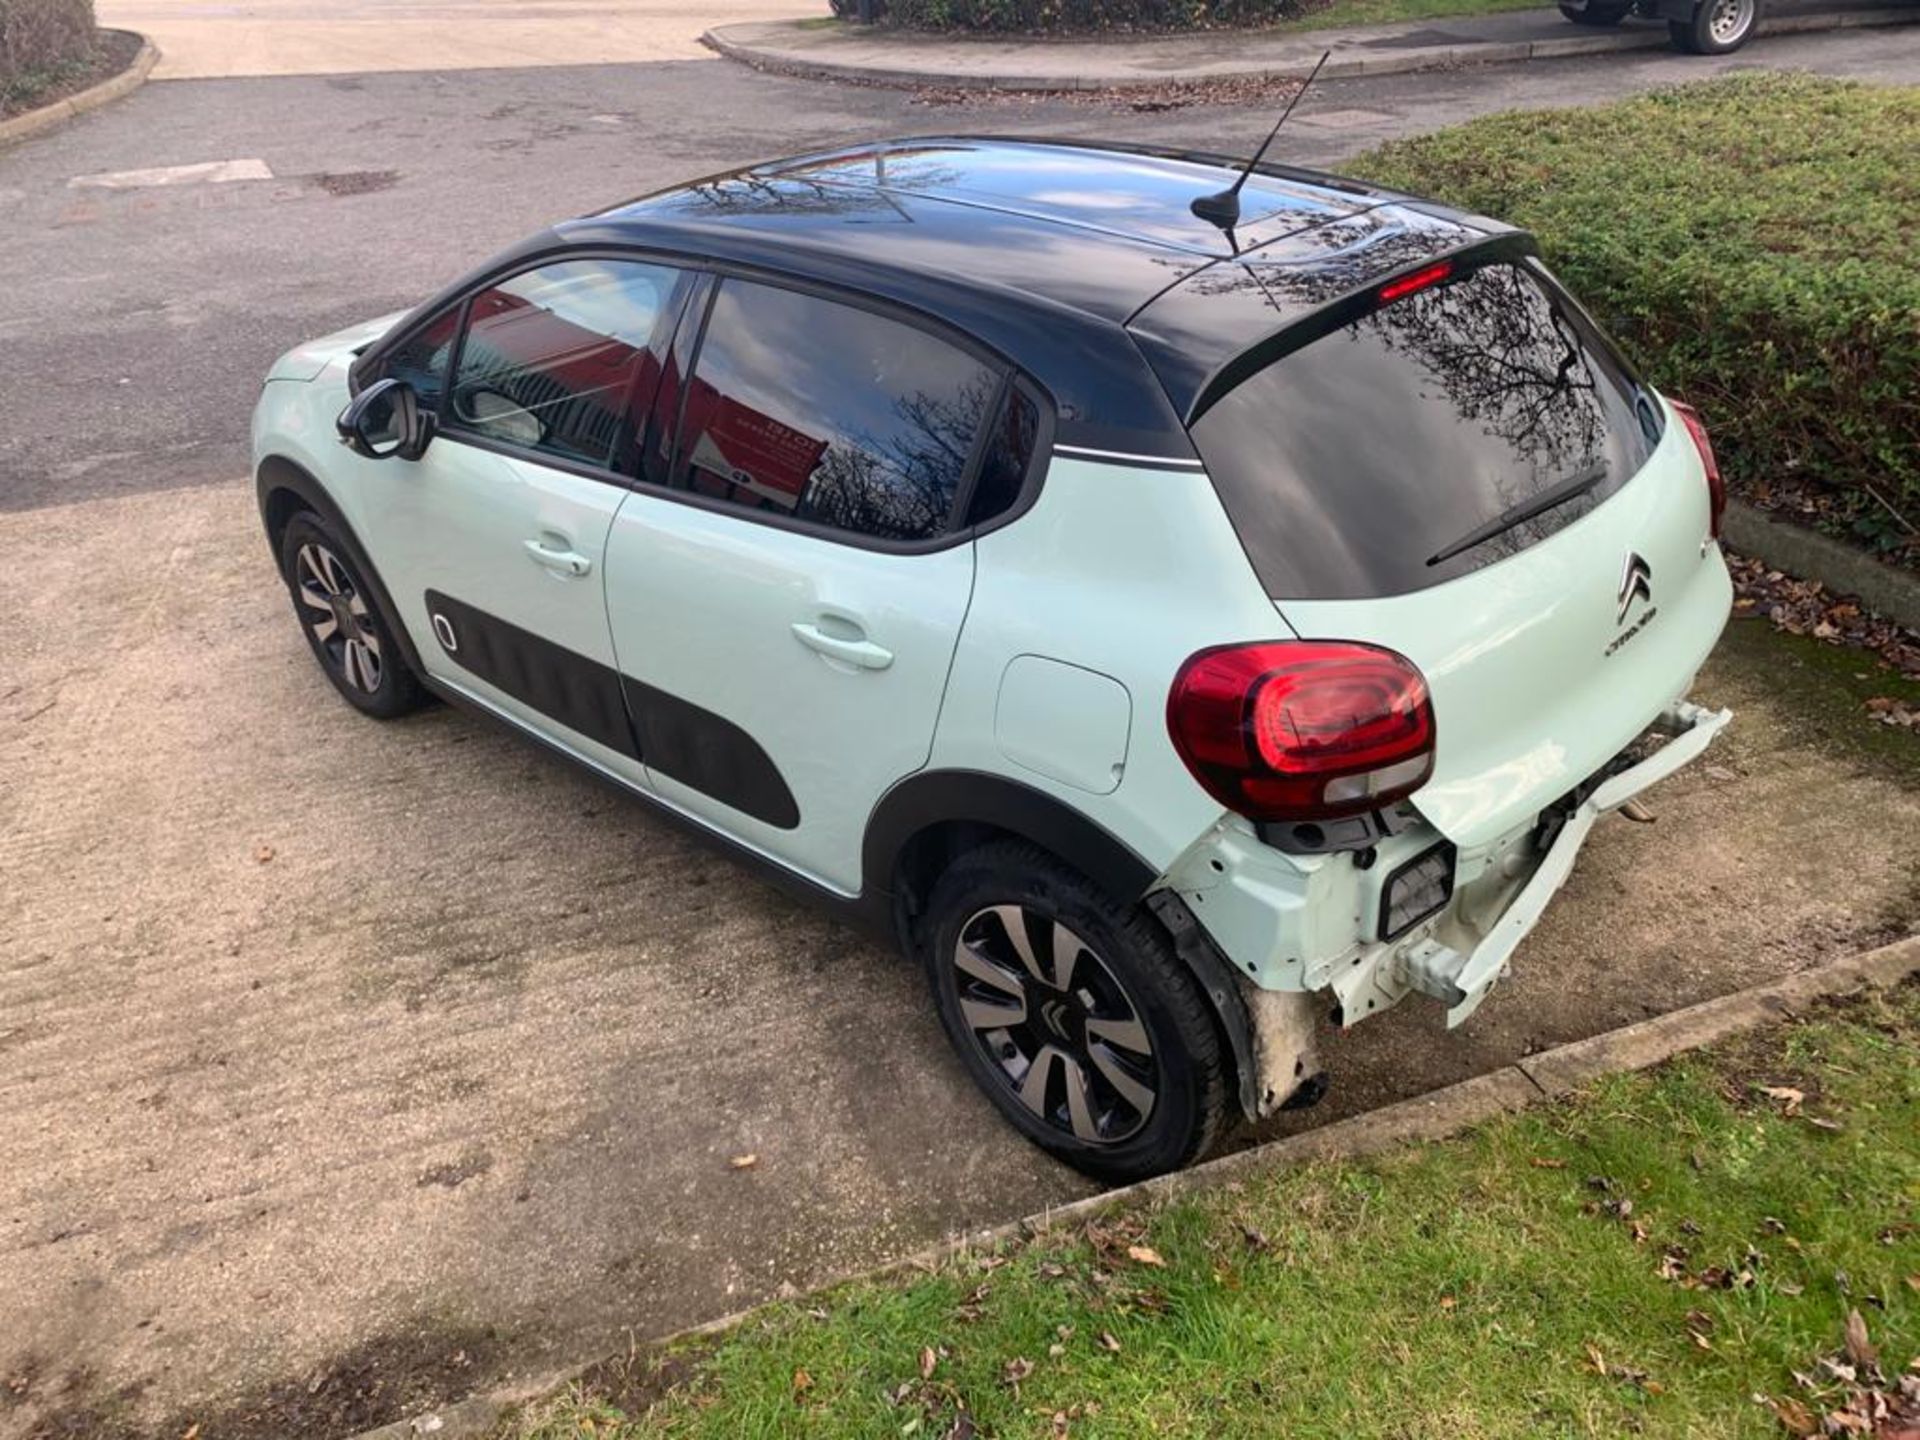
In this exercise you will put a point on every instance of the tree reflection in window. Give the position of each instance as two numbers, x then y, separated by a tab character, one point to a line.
1350	463
827	413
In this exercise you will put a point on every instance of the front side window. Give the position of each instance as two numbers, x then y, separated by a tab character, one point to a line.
553	357
805	408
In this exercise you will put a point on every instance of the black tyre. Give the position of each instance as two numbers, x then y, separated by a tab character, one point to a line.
1598	12
1074	1014
341	622
1717	27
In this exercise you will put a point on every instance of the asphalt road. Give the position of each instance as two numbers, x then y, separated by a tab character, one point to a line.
325	1039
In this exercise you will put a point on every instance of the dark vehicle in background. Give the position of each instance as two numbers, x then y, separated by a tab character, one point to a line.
1698	27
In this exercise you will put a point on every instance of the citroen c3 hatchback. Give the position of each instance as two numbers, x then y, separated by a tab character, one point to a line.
1166	627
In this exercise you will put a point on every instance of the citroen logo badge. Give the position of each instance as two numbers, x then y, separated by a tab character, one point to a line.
1636	583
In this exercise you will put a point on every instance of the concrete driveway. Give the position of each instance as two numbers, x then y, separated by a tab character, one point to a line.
345	1064
198	40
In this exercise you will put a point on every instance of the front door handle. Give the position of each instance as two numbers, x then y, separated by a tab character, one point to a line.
862	653
558	559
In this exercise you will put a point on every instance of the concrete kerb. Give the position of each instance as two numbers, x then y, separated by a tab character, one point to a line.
1840	567
1537	1078
94	96
746	44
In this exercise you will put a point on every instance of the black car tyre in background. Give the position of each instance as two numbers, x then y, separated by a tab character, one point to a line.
1074	1014
1717	27
1597	12
342	623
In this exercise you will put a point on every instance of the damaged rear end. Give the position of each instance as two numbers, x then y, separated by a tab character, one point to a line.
1496	550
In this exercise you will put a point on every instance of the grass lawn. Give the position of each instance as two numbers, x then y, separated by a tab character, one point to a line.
1083	19
1672	1254
1382	12
1750	240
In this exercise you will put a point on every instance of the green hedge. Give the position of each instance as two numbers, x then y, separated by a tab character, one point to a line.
1022	16
1755	243
39	37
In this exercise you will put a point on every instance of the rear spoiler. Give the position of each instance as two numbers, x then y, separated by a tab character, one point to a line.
1230	320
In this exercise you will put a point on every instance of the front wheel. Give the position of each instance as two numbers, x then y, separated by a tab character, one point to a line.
342	623
1596	12
1074	1014
1717	27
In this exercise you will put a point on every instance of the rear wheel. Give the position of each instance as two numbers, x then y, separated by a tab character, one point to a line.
1596	12
1717	27
341	622
1074	1014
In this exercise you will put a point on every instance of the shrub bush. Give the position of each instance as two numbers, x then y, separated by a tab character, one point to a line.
38	37
1003	16
1752	242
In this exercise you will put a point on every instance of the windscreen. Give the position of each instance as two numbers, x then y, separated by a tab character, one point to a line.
1356	465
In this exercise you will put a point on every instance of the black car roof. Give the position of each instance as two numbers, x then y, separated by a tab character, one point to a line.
1052	254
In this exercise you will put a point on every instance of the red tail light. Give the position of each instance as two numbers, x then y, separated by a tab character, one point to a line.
1303	729
1418	280
1716	487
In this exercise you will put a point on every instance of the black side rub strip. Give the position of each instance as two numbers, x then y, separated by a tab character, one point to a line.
710	753
579	693
673	736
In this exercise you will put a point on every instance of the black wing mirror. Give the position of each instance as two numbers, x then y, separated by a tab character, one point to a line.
386	420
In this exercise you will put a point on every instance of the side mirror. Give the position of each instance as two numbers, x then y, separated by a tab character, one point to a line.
385	420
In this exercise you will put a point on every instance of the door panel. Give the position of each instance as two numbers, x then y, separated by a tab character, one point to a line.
494	541
704	606
458	530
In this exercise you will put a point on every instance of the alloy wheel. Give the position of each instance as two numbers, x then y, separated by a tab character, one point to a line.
1056	1023
1729	20
338	617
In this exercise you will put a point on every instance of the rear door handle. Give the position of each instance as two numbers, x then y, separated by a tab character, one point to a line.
558	559
862	652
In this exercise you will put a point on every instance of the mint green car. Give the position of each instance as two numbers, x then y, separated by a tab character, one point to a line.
1168	628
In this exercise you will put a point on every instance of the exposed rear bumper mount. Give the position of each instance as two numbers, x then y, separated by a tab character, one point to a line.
1461	980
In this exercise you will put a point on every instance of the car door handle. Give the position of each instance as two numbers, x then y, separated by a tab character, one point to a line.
560	561
862	653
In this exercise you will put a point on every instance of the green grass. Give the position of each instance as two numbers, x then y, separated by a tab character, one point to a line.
1751	240
1117	17
1500	1284
1383	12
1280	17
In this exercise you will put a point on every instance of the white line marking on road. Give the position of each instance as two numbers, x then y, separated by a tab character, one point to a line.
207	172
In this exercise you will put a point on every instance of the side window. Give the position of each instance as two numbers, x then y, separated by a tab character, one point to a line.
552	357
800	406
1007	458
422	360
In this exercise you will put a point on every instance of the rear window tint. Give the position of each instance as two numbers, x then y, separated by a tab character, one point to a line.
1348	464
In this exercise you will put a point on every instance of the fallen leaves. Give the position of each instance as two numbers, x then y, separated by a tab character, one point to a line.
262	853
1805	607
1856	1398
1860	1349
1790	1099
743	1162
1145	1255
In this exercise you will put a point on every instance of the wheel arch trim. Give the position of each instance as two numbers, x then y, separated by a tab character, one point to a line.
277	475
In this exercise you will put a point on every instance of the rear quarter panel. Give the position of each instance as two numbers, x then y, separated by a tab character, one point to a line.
1122	572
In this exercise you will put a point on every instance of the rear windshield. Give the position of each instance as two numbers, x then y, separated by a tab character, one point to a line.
1351	463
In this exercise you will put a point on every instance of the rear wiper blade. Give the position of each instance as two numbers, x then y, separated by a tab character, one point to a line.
1551	498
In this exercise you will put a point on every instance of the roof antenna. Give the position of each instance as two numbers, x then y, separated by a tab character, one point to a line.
1223	208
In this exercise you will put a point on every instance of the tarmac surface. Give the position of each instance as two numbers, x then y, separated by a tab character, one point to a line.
325	1043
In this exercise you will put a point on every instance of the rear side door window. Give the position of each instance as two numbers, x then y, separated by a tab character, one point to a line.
805	409
553	358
